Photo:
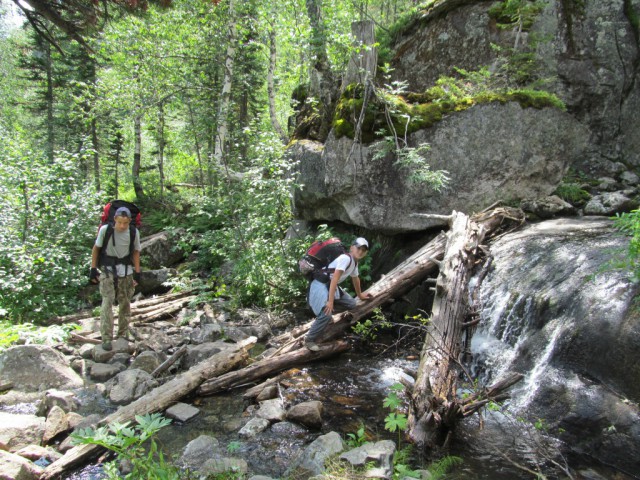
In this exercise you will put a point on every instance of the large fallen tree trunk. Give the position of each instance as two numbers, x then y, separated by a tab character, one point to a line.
434	406
269	366
157	400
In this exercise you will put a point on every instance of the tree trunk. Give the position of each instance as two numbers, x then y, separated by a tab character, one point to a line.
269	366
157	400
271	89
49	99
219	154
161	144
364	61
96	157
137	156
434	406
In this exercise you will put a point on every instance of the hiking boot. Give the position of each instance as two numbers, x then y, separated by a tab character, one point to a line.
106	346
313	346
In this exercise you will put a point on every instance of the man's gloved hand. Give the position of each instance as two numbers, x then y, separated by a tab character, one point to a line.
93	276
136	277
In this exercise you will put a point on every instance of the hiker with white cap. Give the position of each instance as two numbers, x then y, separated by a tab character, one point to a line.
325	298
117	253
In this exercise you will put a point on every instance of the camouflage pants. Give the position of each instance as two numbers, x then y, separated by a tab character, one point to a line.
109	294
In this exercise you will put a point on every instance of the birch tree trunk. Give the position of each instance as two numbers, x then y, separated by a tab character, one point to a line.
271	89
222	121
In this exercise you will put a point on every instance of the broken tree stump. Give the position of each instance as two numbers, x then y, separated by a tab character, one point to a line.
434	408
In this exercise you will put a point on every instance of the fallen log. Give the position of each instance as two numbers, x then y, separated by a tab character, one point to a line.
157	400
169	361
434	408
269	366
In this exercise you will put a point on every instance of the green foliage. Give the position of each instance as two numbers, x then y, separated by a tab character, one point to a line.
516	13
396	420
357	439
29	333
629	224
368	329
440	468
128	442
572	193
47	226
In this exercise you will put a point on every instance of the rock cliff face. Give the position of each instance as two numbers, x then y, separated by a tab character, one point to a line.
589	53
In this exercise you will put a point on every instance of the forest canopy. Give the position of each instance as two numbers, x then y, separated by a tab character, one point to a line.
184	107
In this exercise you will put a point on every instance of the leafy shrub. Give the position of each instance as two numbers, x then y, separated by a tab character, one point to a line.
47	226
629	224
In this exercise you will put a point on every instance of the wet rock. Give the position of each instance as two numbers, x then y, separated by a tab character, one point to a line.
198	451
182	412
311	461
37	368
100	355
272	410
609	204
36	452
308	414
101	372
217	466
19	430
195	354
379	453
130	385
267	393
55	424
120	358
15	467
608	184
253	427
147	361
66	400
209	332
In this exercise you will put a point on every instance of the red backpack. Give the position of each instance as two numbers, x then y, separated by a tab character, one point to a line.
313	265
109	211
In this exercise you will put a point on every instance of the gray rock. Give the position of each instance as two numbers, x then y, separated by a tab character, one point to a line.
253	427
311	461
15	467
548	207
61	398
32	368
198	451
147	361
379	453
182	412
130	385
308	414
19	430
160	250
609	204
272	410
102	372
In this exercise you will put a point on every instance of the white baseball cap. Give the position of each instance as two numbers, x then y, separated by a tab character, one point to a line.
361	242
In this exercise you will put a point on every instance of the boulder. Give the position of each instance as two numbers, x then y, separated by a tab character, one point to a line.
19	430
37	368
308	414
500	153
161	250
130	385
15	467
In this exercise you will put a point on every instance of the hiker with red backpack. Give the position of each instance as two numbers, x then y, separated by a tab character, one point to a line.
325	296
117	253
